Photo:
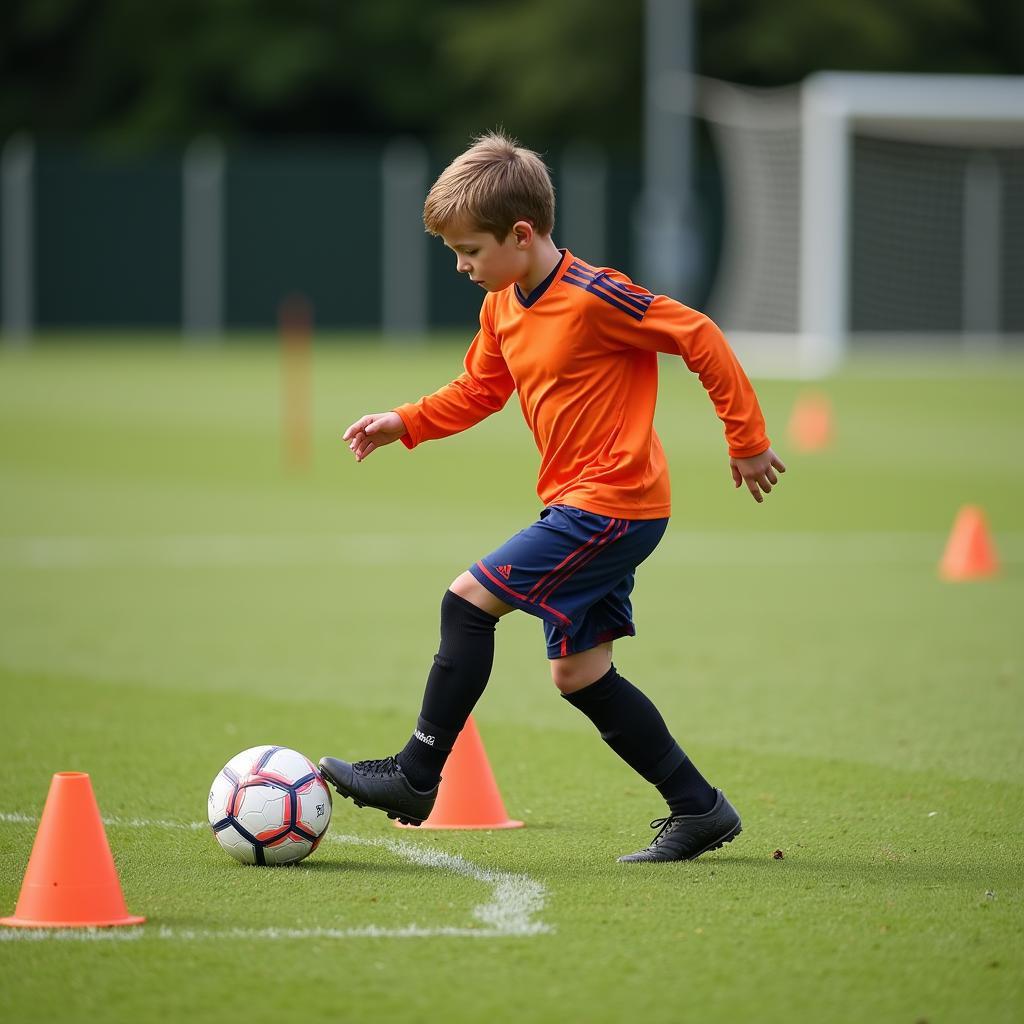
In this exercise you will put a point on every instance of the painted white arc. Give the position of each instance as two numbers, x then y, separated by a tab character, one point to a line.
515	901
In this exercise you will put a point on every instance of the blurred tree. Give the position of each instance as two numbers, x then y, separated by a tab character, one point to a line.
773	42
550	72
133	74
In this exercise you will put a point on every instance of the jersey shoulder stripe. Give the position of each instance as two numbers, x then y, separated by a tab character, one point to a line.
633	304
641	295
638	300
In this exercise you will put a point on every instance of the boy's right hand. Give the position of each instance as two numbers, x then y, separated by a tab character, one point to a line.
373	431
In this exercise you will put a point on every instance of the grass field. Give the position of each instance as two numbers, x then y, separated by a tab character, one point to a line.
170	594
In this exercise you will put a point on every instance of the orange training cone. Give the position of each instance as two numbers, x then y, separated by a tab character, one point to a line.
970	553
810	424
70	881
469	797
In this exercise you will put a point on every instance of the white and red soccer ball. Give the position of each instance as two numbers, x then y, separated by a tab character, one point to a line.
269	805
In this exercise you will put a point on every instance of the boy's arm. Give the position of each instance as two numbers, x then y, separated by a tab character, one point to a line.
482	389
669	326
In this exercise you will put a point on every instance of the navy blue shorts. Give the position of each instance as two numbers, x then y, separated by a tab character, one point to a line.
574	570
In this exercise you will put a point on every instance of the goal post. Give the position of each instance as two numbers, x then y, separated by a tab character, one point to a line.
854	195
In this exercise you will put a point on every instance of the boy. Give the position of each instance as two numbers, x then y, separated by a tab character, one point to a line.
579	345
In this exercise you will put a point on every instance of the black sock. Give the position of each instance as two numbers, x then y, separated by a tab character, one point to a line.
633	727
457	678
687	791
423	757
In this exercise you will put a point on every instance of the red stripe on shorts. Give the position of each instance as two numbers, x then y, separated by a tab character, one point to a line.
522	597
539	585
622	525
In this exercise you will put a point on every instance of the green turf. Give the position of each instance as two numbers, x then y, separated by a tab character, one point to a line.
170	593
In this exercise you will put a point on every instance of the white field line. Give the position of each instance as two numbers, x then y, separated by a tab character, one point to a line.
114	822
515	901
261	550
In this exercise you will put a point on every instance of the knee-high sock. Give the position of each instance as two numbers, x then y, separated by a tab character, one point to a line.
633	727
456	680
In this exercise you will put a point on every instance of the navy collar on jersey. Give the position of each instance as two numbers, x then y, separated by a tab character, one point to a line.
529	300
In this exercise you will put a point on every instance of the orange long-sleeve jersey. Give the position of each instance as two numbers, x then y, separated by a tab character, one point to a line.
581	351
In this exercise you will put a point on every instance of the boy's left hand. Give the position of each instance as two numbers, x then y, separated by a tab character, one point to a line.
758	472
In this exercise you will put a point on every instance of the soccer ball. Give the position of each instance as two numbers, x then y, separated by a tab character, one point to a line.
269	805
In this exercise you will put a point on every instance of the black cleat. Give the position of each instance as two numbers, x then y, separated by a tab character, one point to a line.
381	784
687	836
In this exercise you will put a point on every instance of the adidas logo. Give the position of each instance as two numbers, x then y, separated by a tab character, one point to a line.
424	738
505	570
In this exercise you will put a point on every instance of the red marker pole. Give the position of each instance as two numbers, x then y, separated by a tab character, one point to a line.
295	322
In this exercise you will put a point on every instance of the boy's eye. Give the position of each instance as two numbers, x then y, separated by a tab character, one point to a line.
470	252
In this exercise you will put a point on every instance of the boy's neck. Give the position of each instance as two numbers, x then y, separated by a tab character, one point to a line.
544	257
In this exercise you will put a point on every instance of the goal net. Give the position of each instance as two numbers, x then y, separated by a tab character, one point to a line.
869	209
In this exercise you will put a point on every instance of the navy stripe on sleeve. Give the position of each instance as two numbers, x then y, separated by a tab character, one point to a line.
638	300
639	297
615	294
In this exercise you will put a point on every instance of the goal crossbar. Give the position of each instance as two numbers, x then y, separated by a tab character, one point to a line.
833	106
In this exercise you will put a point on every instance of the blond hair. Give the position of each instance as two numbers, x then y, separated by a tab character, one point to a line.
494	183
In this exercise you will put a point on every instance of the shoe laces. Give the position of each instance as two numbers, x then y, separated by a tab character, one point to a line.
665	824
383	767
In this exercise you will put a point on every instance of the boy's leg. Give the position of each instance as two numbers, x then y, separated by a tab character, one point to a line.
700	818
633	727
456	679
405	786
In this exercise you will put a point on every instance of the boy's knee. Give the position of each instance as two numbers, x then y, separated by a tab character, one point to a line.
578	671
467	587
564	677
461	618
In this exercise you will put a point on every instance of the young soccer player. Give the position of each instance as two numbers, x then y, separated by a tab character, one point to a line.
579	345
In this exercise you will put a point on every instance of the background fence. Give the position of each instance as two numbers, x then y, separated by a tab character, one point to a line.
210	238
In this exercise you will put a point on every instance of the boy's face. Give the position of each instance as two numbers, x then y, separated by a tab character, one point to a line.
491	264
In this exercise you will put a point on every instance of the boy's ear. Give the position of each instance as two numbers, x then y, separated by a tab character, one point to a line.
522	231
